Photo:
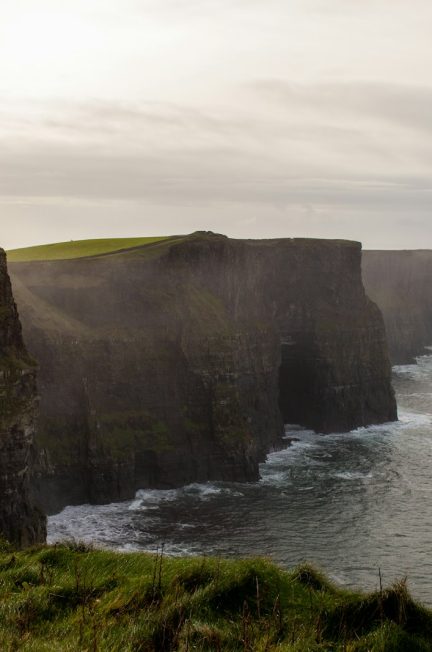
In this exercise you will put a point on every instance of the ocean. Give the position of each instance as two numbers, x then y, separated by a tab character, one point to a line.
354	504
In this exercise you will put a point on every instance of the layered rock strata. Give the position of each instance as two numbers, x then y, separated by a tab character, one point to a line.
21	523
179	362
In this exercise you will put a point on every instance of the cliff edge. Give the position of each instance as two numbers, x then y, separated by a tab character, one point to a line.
21	522
180	361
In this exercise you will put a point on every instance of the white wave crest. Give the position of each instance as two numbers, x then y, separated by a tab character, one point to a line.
146	499
352	475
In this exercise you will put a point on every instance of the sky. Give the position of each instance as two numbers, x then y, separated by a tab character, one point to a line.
253	118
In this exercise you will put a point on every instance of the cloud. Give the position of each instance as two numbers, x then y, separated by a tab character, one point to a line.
316	143
269	116
307	160
407	105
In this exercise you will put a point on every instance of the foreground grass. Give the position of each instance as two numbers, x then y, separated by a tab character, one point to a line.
69	598
78	249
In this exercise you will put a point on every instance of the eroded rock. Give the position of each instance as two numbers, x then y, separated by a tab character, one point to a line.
21	522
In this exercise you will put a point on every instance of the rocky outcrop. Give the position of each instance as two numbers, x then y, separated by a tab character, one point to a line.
179	362
21	522
400	283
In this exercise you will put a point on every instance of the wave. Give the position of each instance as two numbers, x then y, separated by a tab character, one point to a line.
352	475
104	524
310	461
420	370
146	499
313	452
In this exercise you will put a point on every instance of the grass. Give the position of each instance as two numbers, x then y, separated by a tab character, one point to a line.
103	246
78	249
70	598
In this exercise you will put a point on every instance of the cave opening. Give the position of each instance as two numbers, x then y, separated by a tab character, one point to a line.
297	382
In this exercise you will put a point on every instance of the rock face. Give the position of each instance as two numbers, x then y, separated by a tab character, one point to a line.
179	362
401	284
21	522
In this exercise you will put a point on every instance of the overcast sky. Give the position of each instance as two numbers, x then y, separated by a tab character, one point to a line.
254	118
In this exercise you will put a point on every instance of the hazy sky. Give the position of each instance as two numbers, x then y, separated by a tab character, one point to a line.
255	118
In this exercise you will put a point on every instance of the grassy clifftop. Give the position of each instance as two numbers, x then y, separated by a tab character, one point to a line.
79	249
104	246
69	598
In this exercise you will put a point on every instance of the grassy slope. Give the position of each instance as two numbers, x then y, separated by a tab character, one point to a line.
78	249
67	598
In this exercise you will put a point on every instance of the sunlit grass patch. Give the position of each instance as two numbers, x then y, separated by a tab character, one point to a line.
79	248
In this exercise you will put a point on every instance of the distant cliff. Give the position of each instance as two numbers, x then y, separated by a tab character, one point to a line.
400	282
20	522
179	361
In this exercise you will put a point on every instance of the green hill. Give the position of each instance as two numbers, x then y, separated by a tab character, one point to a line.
79	248
69	598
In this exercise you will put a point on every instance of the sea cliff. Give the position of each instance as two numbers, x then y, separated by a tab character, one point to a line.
180	361
400	283
20	521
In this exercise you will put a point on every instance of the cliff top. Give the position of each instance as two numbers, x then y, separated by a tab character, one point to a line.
75	249
79	248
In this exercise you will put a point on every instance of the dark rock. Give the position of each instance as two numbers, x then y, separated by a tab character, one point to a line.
21	523
180	362
401	284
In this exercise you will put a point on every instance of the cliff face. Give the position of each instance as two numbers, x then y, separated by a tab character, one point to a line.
179	362
400	283
20	522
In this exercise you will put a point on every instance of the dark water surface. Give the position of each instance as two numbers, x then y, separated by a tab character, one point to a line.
351	503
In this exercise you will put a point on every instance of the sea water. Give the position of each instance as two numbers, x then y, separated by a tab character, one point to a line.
354	504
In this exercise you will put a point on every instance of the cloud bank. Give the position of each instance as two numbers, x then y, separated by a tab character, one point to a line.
257	119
